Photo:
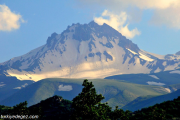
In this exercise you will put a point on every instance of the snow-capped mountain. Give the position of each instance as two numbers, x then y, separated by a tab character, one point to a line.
86	51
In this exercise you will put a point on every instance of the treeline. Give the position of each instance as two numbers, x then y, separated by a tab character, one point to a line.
165	111
87	106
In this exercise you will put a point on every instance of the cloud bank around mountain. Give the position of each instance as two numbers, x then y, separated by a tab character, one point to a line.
8	19
118	22
165	12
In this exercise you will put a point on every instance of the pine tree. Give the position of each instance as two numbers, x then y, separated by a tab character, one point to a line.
20	109
87	105
120	114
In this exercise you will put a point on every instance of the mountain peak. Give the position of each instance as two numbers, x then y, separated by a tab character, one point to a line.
178	53
53	35
83	51
93	24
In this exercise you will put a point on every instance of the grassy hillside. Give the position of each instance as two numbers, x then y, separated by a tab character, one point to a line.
116	92
173	87
143	102
165	77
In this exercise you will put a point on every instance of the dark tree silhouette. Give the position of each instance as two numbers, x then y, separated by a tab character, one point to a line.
20	109
87	105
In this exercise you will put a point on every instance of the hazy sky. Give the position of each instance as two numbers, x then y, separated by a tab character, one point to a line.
154	25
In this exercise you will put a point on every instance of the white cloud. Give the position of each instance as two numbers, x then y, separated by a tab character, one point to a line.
169	17
118	22
165	12
150	4
155	83
142	4
8	19
65	88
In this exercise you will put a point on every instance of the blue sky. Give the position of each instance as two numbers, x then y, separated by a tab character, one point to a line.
26	24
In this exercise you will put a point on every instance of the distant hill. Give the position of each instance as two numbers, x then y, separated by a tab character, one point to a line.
10	85
164	78
115	92
167	110
143	102
41	90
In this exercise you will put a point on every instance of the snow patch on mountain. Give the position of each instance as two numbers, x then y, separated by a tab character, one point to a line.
157	70
1	85
153	76
65	88
22	86
96	69
155	83
172	57
165	63
168	90
153	54
141	55
145	57
171	67
17	88
132	51
175	71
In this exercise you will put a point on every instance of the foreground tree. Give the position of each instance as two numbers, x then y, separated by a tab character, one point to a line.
87	105
120	114
20	109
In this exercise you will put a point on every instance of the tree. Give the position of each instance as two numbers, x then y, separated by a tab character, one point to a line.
20	109
120	114
87	105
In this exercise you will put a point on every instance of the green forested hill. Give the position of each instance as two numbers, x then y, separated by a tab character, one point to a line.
88	104
143	102
54	108
116	92
168	110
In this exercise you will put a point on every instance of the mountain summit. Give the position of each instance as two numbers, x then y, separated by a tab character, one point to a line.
86	51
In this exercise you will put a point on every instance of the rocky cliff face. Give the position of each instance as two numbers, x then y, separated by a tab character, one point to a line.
86	51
